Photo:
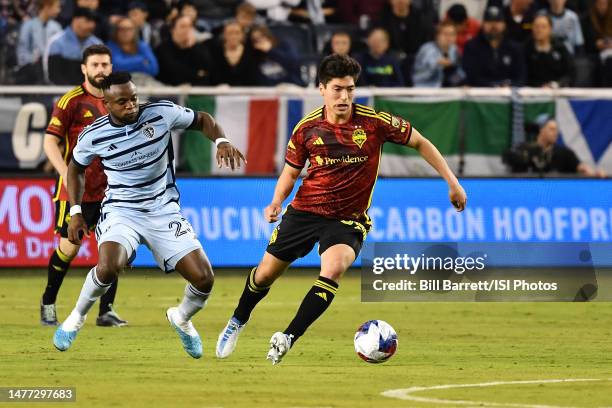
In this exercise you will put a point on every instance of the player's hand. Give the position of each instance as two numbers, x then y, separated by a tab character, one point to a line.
77	229
272	212
230	156
457	196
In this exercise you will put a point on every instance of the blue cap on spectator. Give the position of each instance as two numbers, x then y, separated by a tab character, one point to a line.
543	119
493	13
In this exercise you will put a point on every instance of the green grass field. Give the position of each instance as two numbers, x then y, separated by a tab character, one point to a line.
143	365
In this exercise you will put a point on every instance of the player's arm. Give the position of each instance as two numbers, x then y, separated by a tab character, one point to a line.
76	186
433	156
226	152
283	188
51	146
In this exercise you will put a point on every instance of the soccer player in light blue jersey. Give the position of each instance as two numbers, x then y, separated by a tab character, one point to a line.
141	205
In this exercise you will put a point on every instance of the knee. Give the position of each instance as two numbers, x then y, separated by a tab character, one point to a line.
108	270
205	280
335	269
68	249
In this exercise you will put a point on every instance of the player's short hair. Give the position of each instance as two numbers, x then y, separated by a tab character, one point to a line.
96	49
116	78
338	66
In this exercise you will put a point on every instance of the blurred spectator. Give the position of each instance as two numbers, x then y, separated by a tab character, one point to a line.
34	36
138	12
407	28
379	66
183	60
466	27
340	43
519	20
62	62
202	28
314	12
359	12
129	52
549	63
246	16
566	26
491	59
103	22
437	62
215	12
277	61
234	62
474	8
544	155
275	10
13	12
597	27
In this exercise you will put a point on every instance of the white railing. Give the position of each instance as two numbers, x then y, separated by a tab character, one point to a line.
292	90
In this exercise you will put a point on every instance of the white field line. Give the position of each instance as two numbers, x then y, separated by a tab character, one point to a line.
407	393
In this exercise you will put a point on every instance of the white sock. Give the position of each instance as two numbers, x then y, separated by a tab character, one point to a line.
92	290
192	302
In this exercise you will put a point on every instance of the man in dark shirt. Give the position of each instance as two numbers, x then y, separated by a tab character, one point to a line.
545	155
491	59
380	67
182	59
519	19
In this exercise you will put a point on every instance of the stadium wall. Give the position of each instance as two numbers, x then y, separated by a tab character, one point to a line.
472	127
227	215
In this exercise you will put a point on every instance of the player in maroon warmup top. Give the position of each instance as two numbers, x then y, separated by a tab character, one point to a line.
78	108
343	143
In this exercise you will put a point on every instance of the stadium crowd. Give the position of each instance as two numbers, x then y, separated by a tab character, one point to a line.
400	43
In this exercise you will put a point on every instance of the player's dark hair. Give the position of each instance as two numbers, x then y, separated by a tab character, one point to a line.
338	66
115	78
96	49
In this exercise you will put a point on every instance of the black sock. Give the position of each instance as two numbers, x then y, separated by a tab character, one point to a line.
251	295
58	265
108	298
316	301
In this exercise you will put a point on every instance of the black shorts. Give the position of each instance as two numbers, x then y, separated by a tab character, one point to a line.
91	213
299	231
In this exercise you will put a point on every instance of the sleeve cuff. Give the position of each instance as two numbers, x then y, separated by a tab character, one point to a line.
295	166
194	121
409	134
82	166
56	134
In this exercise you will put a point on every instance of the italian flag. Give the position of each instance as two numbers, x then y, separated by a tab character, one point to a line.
482	129
251	124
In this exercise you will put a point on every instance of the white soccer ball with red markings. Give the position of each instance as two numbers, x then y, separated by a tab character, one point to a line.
375	341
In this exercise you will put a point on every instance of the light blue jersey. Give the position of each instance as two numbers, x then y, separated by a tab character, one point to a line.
137	158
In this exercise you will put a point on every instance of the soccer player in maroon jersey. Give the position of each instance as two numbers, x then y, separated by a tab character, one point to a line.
74	111
343	143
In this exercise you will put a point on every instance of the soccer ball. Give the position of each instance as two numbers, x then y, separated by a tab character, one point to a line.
375	341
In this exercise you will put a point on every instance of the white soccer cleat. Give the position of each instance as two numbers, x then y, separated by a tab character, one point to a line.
228	338
280	343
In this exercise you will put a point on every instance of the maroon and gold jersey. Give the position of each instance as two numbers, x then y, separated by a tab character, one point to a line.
344	160
72	112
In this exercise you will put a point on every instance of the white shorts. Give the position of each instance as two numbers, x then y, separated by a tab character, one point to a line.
165	232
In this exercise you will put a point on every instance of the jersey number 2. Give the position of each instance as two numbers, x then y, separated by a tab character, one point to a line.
178	226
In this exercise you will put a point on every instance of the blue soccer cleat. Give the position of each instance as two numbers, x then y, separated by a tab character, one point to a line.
187	333
66	333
